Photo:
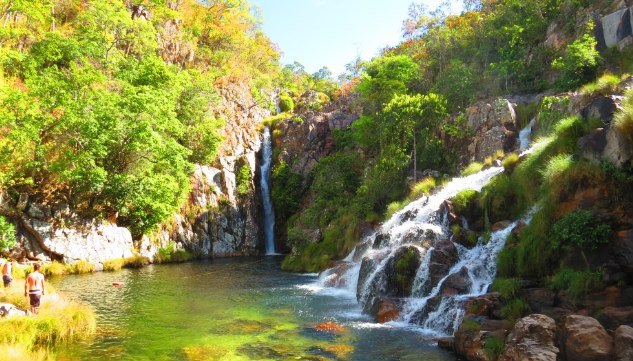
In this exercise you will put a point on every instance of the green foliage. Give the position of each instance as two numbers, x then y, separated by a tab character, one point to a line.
243	180
423	187
463	199
576	283
7	234
506	263
535	255
552	109
515	309
563	176
494	346
54	269
605	85
286	104
81	267
508	288
472	168
385	77
286	191
581	229
469	324
457	83
579	64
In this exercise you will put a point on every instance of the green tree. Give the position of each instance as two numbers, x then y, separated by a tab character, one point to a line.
7	235
385	77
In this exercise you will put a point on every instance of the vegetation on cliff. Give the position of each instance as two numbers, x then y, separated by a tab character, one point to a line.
107	104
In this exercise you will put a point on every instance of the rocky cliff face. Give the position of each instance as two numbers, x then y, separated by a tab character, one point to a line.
216	221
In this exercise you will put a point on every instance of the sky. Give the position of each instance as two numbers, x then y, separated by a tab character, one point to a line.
333	33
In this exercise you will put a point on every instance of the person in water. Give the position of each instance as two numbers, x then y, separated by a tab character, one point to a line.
6	274
34	288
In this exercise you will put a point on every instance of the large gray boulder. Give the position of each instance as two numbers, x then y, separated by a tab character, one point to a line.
584	339
533	338
623	342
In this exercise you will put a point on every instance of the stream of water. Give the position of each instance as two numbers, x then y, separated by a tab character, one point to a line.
269	213
237	309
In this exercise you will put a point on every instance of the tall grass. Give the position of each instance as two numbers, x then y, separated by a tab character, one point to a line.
112	265
624	118
60	320
605	85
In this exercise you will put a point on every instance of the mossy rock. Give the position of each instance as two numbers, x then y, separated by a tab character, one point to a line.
401	270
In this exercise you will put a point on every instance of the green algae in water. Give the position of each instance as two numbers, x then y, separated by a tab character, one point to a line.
235	310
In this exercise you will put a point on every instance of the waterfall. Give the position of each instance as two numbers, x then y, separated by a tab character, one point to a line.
525	135
434	302
269	213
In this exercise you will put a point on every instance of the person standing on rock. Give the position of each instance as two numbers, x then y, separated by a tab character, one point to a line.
34	288
6	274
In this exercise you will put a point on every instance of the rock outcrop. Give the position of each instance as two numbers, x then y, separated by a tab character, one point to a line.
495	127
623	343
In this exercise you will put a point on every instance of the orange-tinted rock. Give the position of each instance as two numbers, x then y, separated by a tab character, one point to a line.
330	327
586	340
387	311
500	225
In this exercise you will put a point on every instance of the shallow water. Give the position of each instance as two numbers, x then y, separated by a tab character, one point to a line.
238	309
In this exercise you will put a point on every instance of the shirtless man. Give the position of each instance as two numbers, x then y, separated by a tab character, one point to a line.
34	288
6	274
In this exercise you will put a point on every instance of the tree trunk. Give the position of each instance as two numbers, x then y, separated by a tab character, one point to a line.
415	160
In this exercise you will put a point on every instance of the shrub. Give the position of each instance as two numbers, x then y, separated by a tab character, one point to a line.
472	168
81	267
286	104
243	179
581	229
113	264
54	269
286	191
579	64
136	261
515	309
7	235
576	283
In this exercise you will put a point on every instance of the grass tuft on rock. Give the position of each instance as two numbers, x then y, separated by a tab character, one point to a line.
112	265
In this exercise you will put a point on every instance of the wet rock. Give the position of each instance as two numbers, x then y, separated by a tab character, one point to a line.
336	275
612	317
485	305
623	343
204	352
459	282
500	225
446	343
443	257
586	340
367	266
385	310
538	299
401	270
470	341
533	338
380	240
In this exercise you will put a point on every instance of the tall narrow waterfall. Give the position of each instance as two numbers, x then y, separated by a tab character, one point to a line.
269	213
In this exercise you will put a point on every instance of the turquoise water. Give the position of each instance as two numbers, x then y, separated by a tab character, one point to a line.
238	309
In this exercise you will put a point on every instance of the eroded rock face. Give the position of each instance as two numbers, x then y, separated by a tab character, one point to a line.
533	338
586	340
401	270
494	124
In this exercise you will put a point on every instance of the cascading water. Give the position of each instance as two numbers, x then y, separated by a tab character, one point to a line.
525	135
269	213
440	287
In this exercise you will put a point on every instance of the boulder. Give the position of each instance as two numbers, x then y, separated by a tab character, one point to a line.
470	340
380	240
612	317
484	305
584	339
385	310
446	343
533	338
457	283
336	275
443	257
618	149
539	299
623	343
401	270
500	225
601	108
592	145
